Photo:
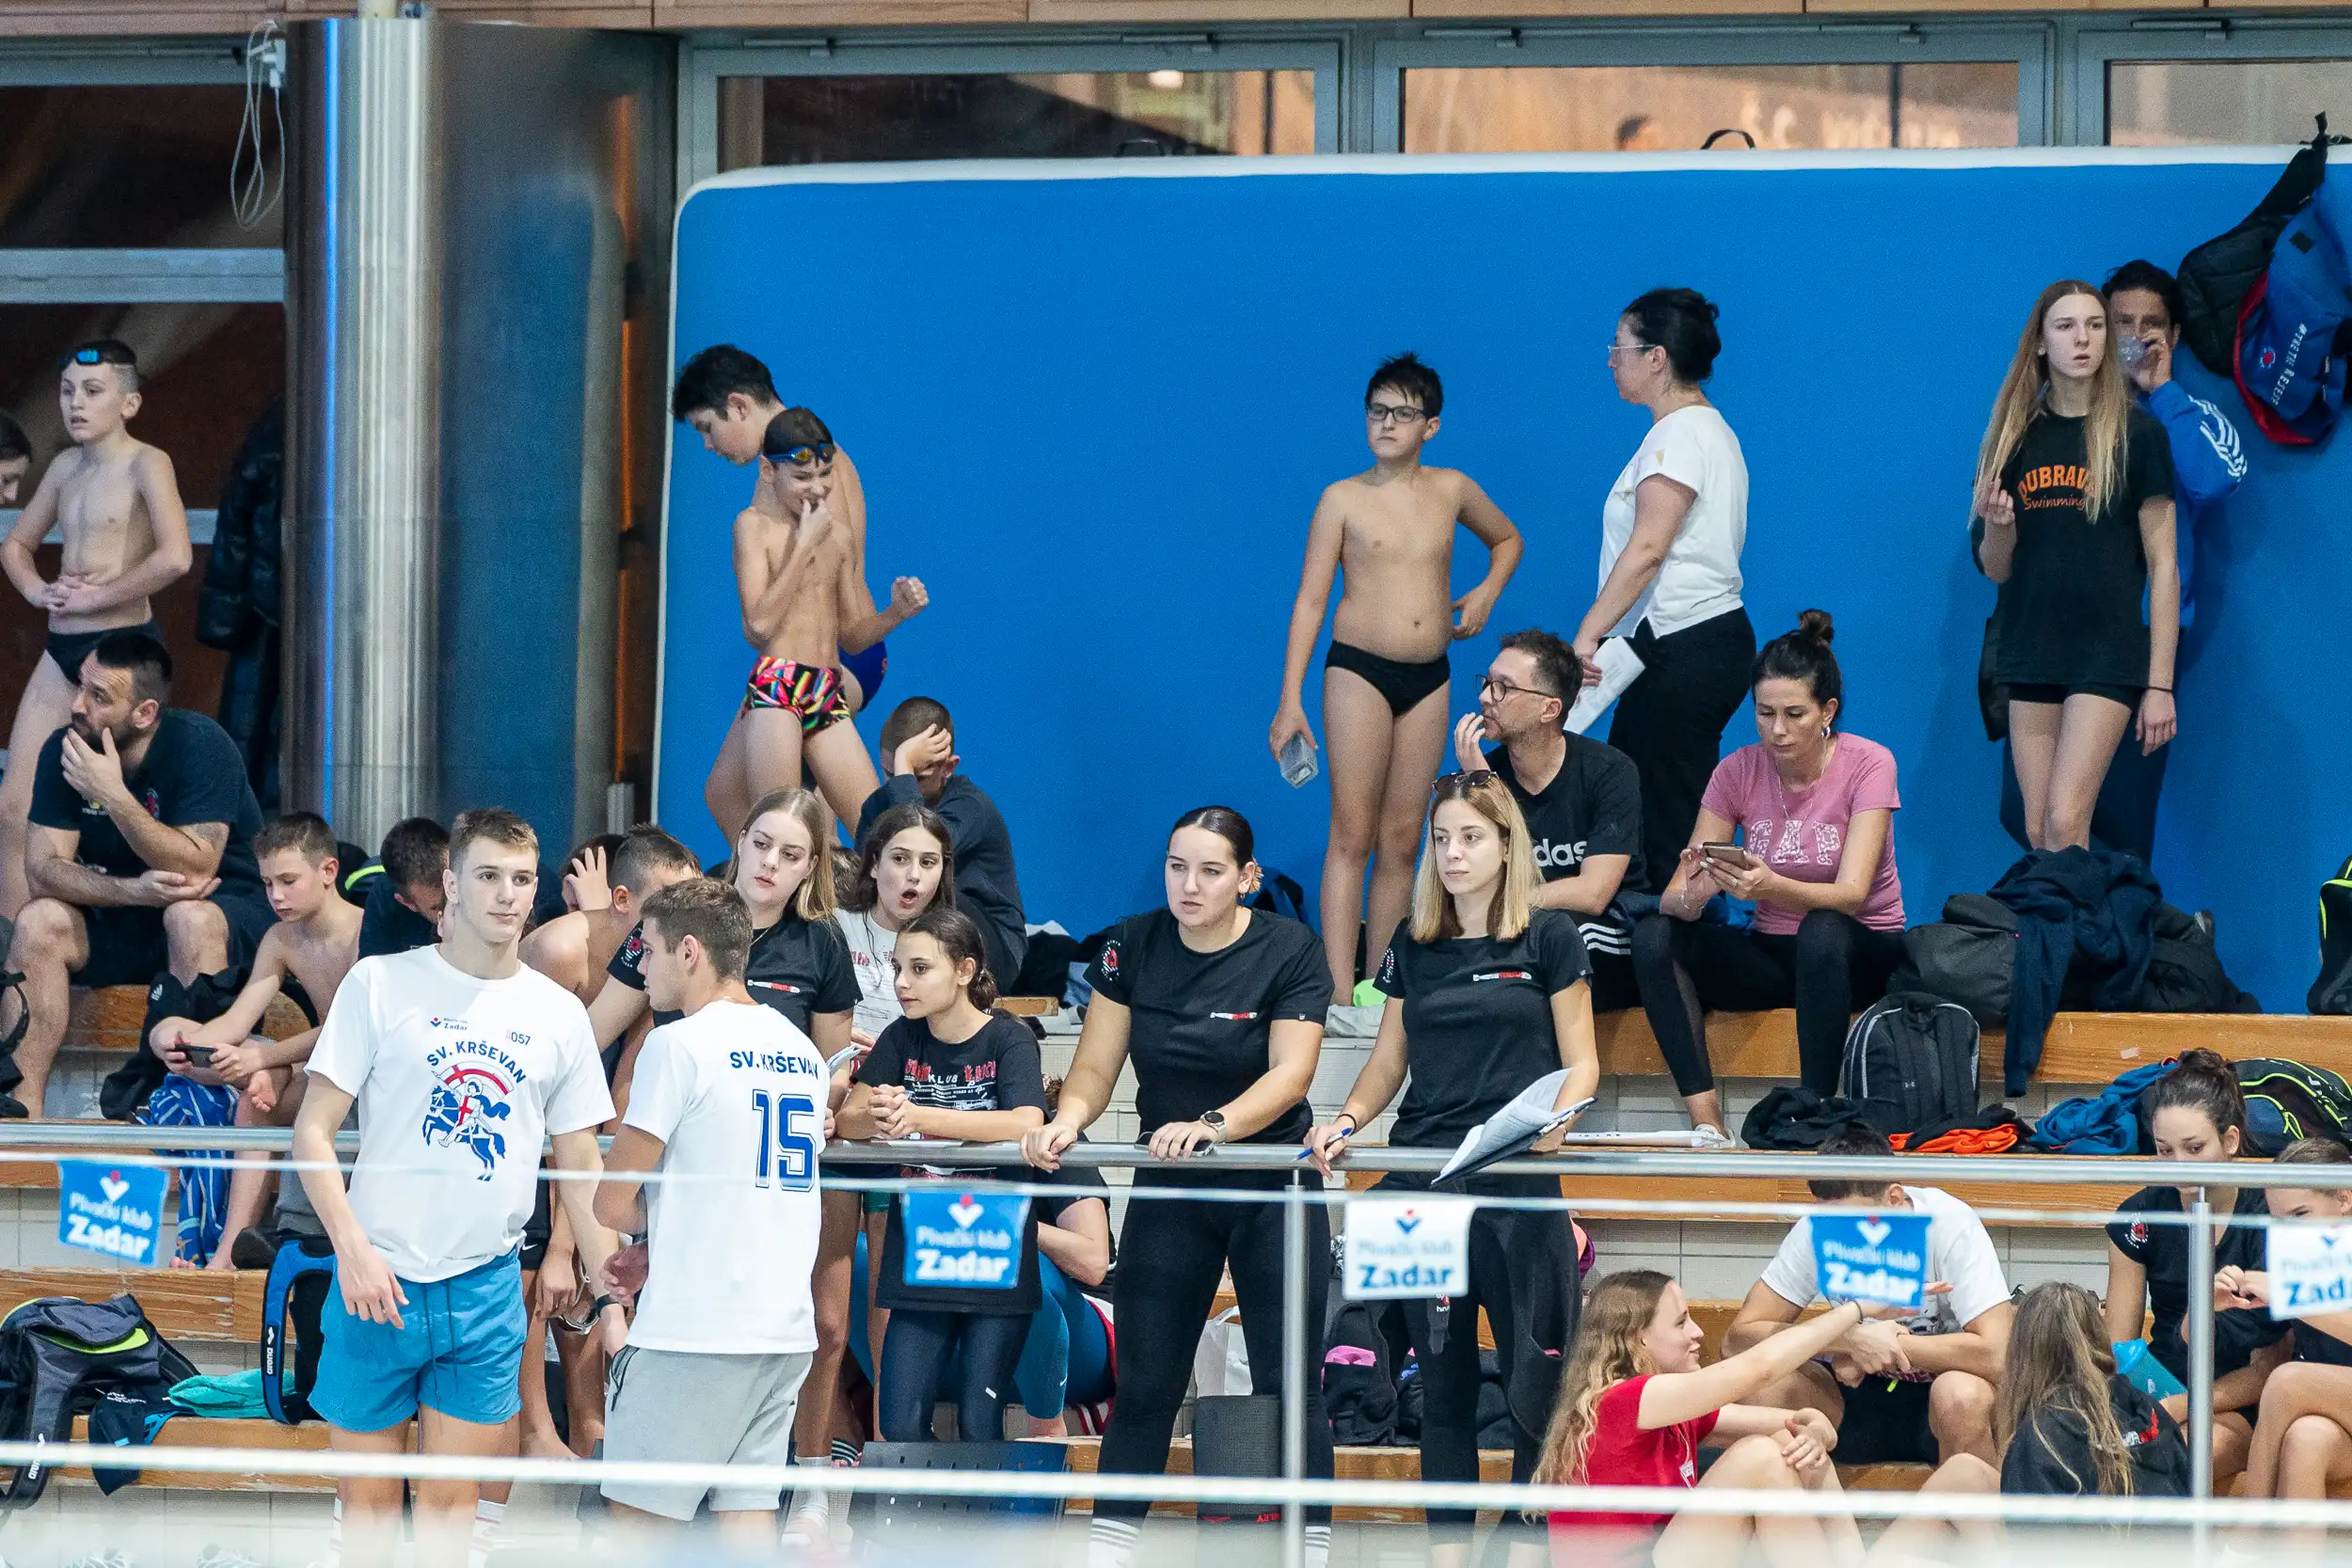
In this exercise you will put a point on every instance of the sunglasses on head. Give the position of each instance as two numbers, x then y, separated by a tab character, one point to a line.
1462	783
806	456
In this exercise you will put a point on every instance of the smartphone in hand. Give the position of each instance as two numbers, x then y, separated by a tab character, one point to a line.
1730	854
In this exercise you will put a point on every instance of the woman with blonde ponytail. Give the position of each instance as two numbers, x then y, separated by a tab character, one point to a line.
1635	1406
2073	520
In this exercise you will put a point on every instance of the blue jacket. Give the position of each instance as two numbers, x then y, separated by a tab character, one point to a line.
2207	464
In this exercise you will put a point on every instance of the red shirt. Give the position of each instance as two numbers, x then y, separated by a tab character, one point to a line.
1622	1454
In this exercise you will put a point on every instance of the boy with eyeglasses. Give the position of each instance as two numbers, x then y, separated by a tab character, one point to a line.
126	537
1583	799
1385	679
796	568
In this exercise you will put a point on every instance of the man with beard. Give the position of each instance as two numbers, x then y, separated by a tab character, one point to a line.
140	857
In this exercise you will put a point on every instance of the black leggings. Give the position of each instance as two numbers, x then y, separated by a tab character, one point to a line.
1451	1379
915	1355
1670	723
1172	1253
1687	969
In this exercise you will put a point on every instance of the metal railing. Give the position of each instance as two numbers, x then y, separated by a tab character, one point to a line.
48	1140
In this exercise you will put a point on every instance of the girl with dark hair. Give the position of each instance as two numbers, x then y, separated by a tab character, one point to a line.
2195	1111
1814	809
949	1068
2073	520
1672	531
1487	993
1220	1010
2303	1444
905	866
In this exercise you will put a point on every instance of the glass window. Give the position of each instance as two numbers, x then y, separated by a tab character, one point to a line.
2231	102
1675	108
823	120
130	167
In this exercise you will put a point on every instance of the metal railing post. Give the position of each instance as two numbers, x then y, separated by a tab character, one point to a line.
2200	1360
1295	1368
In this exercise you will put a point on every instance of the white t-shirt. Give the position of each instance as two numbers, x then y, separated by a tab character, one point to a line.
1959	1254
1699	579
737	1096
459	1082
872	952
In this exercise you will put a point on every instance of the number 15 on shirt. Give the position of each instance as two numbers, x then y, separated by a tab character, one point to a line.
788	1144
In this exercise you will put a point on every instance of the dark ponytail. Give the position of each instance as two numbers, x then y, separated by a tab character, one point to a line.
959	937
1803	655
2203	1083
1227	824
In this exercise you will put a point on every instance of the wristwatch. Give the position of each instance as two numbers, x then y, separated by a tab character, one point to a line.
1215	1122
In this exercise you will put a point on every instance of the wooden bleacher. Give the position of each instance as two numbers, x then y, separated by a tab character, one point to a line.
2080	1048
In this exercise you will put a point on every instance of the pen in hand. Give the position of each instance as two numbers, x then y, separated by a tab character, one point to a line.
1345	1133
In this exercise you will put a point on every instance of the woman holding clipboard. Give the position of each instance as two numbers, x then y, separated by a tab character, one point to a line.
1814	809
1486	993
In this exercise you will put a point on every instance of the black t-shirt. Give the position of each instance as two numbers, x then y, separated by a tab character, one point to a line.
192	773
2051	1454
1593	806
799	967
387	926
2163	1250
998	1069
2069	612
1478	1026
1201	1021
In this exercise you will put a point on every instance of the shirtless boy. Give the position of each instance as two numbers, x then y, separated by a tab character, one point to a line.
729	399
573	949
1391	529
796	569
315	943
126	536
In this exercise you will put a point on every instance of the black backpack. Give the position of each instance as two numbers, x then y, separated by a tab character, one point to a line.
2332	991
2286	1101
1910	1059
59	1357
2216	276
1968	956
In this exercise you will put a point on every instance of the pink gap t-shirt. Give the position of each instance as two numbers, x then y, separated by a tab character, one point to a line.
1802	833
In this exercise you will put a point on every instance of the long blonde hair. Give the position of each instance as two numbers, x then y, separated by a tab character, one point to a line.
1513	903
2060	1360
813	899
1609	1348
2106	432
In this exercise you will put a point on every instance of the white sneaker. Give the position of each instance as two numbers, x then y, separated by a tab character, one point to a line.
1712	1137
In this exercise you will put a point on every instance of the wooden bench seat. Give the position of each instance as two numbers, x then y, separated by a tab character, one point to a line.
110	1019
192	1306
2080	1048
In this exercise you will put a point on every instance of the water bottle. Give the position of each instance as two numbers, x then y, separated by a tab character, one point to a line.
1298	760
2131	351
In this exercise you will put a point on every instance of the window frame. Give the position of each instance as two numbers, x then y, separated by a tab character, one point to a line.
867	53
2186	38
92	276
1763	41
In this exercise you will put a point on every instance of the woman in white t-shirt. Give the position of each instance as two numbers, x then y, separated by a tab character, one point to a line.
904	867
1672	531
